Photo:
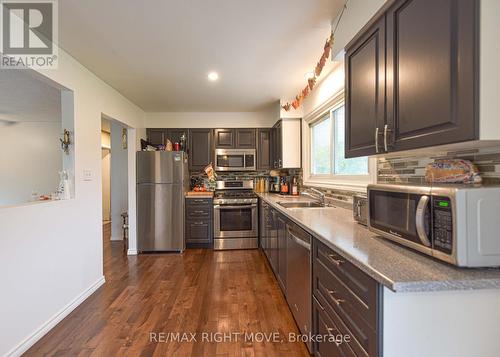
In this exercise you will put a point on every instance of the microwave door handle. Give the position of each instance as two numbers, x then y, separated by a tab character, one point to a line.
420	220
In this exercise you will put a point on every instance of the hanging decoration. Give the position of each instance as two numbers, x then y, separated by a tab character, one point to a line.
311	82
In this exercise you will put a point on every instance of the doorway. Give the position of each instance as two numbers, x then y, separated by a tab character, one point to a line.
114	156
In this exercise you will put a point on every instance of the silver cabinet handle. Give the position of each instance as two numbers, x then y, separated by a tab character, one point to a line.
335	300
376	139
335	261
298	240
420	220
386	130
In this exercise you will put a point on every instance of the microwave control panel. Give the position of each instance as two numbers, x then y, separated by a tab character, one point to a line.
443	224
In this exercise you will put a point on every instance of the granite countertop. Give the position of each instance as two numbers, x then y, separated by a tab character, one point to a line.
398	268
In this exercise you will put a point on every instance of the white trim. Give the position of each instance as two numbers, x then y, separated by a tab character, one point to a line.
324	108
54	320
132	252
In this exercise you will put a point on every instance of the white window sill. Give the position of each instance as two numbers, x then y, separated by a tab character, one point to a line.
35	203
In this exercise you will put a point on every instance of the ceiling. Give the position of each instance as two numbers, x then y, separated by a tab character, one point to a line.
158	52
24	98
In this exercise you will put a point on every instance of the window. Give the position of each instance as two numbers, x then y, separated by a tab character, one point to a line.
328	150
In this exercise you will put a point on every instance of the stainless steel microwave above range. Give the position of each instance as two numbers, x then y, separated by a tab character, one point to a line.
458	224
235	160
235	215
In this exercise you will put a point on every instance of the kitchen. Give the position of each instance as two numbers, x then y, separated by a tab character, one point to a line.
355	218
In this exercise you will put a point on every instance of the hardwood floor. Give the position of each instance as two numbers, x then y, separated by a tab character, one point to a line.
200	291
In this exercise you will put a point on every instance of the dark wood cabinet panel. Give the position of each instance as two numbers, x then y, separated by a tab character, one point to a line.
431	70
200	148
245	138
156	136
282	253
264	149
365	91
199	226
224	138
416	84
349	298
277	145
174	135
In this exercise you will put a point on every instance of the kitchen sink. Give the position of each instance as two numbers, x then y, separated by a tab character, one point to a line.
301	204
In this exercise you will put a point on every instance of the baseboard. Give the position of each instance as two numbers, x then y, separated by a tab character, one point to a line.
54	320
120	238
132	252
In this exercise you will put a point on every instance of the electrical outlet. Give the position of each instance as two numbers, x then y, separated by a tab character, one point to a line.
87	175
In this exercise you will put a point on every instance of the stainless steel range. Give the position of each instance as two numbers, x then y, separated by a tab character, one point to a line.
235	215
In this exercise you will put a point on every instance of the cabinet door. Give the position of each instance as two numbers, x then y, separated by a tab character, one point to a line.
278	145
199	232
273	241
200	148
365	91
224	138
156	136
245	138
431	69
174	135
264	157
282	251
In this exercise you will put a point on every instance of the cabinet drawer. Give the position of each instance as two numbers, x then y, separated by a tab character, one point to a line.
363	286
340	303
199	213
192	202
198	231
332	336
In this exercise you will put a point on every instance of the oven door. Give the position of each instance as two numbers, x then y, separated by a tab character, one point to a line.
401	215
238	221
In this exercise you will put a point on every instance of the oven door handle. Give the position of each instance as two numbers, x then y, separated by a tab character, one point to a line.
222	207
420	220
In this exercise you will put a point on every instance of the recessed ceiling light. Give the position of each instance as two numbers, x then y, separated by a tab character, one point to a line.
213	76
309	75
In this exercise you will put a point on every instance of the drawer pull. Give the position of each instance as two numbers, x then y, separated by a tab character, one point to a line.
330	333
337	262
200	212
335	300
198	223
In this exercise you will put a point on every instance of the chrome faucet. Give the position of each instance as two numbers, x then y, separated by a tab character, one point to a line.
318	195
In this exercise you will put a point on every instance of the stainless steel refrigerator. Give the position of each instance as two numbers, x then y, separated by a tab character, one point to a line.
162	180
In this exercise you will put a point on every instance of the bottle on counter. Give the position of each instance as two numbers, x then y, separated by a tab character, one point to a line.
284	186
295	187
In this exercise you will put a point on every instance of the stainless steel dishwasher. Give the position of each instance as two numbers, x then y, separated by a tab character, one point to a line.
298	291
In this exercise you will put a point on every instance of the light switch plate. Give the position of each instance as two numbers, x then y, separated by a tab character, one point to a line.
87	175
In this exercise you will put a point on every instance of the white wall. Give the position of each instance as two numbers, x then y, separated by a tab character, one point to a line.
30	161
51	253
356	15
119	181
212	119
106	184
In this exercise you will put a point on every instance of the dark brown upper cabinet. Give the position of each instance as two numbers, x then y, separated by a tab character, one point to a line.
234	138
365	91
156	136
200	148
421	90
431	71
245	138
264	149
174	135
224	138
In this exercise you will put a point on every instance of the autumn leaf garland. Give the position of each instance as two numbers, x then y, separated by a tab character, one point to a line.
311	82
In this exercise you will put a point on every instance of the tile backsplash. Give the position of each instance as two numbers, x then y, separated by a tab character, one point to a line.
411	169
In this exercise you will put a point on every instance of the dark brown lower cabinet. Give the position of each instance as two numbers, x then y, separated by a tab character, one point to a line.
198	229
347	306
282	253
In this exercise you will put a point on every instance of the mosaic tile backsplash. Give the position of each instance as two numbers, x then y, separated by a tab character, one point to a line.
411	169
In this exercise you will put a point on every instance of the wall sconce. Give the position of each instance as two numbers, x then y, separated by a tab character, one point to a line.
66	141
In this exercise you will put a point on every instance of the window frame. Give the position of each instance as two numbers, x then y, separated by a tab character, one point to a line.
333	181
